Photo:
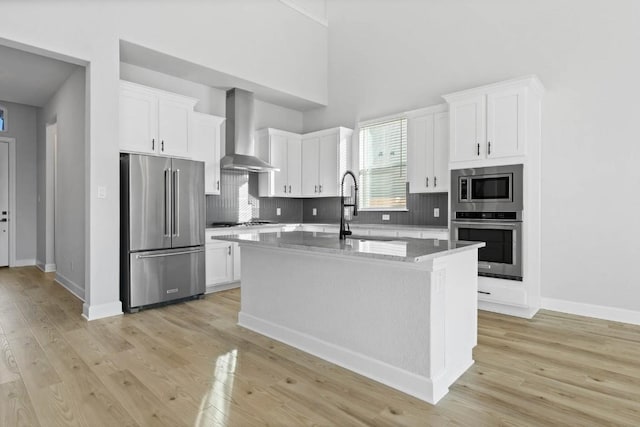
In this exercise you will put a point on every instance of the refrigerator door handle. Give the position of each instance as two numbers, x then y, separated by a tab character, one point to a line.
169	254
175	231
167	201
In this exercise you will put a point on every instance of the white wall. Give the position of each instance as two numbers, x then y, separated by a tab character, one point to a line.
22	126
265	42
213	100
386	58
67	108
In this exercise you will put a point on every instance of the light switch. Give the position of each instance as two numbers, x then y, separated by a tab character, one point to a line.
386	217
436	212
278	212
102	192
315	212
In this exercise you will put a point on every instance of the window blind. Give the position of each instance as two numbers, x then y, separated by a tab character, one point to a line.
383	165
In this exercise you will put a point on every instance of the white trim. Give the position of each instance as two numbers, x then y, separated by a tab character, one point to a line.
45	268
94	312
614	314
211	289
12	198
510	310
70	285
24	262
292	4
421	387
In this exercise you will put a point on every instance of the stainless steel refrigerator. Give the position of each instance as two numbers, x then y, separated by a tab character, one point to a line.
162	222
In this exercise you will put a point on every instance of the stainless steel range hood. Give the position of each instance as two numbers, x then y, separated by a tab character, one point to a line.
240	128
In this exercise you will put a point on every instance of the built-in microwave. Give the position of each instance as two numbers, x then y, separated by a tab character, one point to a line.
490	189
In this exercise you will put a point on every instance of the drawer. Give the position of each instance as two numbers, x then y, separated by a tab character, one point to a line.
502	291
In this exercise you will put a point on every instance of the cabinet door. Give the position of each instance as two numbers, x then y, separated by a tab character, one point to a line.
173	127
441	152
205	146
467	129
505	123
236	262
138	121
419	153
294	167
278	145
329	154
219	263
310	162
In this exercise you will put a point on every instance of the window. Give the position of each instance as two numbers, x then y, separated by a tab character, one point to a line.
383	165
3	119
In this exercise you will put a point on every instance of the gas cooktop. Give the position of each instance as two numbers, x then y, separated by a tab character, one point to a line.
253	222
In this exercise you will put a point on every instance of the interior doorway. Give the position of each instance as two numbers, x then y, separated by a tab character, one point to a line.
51	162
7	201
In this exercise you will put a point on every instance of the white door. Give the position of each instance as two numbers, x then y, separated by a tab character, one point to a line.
173	128
138	122
294	167
278	158
420	148
310	162
441	152
468	129
4	204
328	167
219	263
505	123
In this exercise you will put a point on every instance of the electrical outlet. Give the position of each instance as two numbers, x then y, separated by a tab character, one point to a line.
386	217
436	212
278	212
102	192
315	212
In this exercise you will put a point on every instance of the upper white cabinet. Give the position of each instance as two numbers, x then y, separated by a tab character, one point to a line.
282	150
153	121
325	156
205	145
428	150
488	125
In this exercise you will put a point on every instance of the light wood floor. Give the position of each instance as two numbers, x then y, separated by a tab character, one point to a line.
190	365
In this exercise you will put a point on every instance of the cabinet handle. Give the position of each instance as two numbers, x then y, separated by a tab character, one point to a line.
320	187
289	189
435	181
229	250
162	145
426	181
315	188
153	144
478	149
285	188
218	184
489	148
485	293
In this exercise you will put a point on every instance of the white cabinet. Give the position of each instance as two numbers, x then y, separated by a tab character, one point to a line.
428	150
205	146
325	158
219	262
153	121
282	150
489	124
236	262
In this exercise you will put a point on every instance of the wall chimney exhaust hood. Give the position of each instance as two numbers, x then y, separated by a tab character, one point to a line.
240	128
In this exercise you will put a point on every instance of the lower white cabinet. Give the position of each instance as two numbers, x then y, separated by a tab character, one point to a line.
236	262
219	263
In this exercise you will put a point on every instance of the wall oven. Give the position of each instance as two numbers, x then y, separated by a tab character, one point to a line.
487	207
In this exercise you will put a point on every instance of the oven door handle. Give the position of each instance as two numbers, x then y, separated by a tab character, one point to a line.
506	224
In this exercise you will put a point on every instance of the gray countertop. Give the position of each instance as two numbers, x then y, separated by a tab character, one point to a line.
393	249
354	226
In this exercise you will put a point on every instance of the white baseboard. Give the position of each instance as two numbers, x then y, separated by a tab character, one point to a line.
23	262
219	288
598	311
509	310
70	285
46	268
94	312
421	387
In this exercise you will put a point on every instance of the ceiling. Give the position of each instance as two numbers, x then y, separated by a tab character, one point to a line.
31	79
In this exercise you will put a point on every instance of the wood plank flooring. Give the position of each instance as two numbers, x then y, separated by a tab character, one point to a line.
190	365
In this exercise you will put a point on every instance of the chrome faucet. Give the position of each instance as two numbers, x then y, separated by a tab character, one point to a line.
346	231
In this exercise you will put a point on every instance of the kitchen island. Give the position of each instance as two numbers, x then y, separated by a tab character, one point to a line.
400	311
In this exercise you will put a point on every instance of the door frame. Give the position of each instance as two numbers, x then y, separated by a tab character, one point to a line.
12	199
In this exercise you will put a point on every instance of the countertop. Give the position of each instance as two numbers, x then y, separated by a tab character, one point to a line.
393	249
354	226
